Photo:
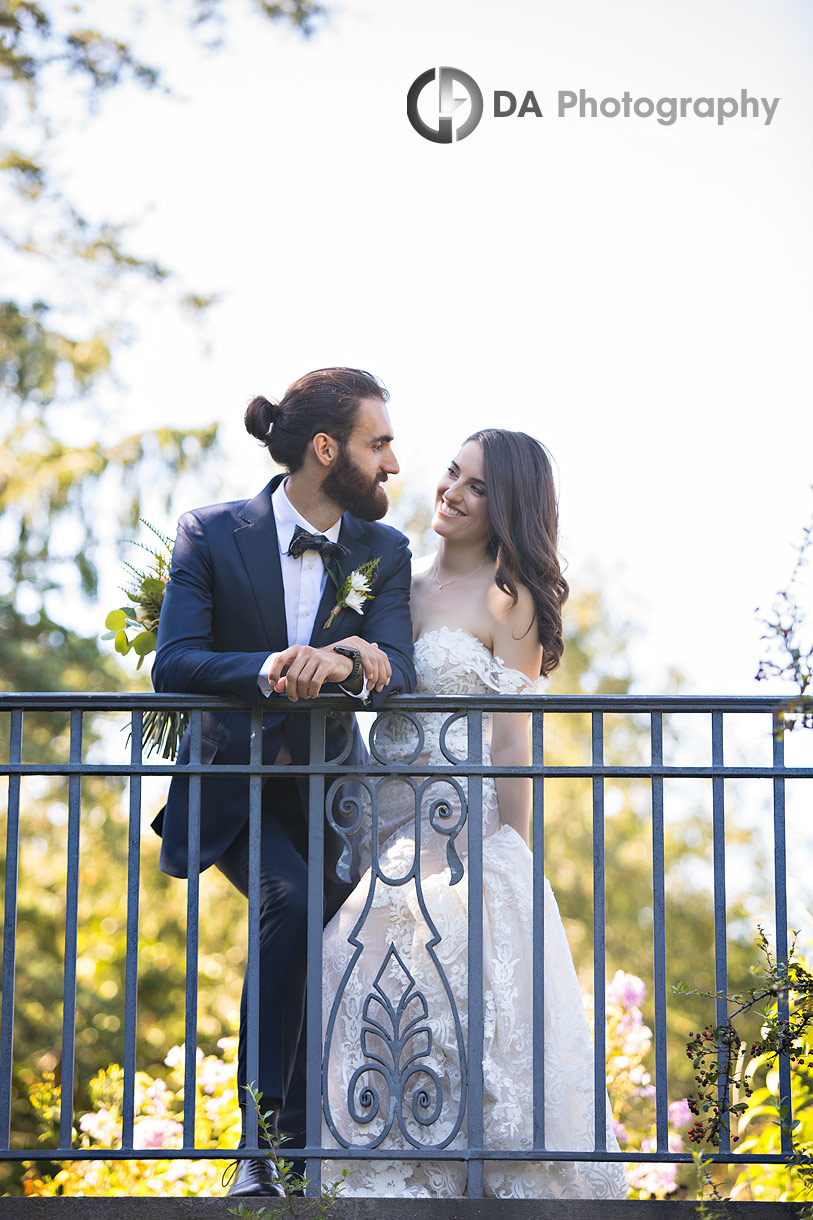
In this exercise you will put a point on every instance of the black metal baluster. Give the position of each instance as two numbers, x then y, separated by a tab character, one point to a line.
316	845
659	935
192	916
71	937
720	946
538	782
781	920
255	791
474	721
10	929
599	971
131	961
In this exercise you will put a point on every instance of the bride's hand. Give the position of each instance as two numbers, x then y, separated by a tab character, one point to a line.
374	662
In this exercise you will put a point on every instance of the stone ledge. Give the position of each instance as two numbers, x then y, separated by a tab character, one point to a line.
86	1208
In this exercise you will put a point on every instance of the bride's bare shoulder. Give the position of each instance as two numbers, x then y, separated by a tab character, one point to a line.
512	613
513	630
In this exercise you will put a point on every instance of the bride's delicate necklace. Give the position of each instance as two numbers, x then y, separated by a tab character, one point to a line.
436	573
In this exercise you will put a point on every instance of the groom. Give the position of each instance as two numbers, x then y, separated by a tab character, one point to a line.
249	612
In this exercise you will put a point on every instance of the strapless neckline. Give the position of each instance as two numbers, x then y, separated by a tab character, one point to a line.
517	680
469	635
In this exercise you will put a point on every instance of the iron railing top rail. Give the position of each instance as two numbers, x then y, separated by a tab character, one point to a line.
104	701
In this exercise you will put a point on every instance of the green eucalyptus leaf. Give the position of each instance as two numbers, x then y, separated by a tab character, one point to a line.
115	620
122	643
144	644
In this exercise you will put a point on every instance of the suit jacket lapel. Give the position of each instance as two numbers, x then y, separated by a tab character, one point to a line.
259	548
351	535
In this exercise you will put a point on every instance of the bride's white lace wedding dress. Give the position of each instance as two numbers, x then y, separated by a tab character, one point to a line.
395	979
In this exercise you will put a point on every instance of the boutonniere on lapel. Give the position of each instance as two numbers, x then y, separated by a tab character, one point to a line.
353	591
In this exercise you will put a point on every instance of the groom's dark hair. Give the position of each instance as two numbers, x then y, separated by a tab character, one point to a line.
326	400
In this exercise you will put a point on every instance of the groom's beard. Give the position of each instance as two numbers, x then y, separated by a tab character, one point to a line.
350	488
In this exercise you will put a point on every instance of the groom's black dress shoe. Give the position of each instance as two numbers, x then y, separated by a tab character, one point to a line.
257	1176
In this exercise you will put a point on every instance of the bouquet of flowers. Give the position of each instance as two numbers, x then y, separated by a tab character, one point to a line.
145	593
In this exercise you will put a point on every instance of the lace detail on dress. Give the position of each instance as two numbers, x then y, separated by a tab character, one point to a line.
395	967
450	661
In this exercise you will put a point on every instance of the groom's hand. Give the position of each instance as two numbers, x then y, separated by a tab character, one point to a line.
374	662
299	672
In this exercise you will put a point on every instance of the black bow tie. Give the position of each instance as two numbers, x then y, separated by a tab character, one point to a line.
303	541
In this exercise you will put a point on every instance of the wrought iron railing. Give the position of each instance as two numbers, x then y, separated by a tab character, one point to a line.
465	867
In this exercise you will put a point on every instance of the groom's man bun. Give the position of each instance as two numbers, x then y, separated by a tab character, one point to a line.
326	400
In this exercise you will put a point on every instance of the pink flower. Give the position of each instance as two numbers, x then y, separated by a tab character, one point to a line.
621	1132
90	1122
177	1171
626	990
100	1126
679	1113
653	1179
175	1058
214	1073
157	1133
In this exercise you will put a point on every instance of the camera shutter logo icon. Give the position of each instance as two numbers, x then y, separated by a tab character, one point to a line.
451	81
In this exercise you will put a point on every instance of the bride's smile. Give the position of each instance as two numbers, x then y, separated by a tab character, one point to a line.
461	496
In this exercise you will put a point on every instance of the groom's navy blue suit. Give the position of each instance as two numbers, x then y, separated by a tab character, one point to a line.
223	614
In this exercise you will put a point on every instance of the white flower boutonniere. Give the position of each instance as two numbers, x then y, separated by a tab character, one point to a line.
353	591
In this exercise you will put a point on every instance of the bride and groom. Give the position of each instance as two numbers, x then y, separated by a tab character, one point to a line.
300	590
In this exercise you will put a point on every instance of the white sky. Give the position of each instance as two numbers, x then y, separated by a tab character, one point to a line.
636	296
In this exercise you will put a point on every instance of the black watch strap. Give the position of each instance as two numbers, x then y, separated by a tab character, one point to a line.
355	657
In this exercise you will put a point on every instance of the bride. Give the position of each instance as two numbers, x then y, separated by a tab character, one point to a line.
486	612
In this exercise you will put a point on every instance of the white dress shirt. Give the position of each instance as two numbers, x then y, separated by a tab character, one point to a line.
303	580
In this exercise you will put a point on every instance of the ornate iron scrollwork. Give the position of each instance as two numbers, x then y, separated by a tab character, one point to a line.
397	1032
394	1080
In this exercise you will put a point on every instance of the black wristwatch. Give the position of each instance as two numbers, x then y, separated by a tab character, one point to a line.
355	657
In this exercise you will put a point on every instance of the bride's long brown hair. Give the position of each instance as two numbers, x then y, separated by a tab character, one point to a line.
525	517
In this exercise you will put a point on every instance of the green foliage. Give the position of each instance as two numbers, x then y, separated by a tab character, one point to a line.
31	354
57	355
789	655
760	1128
161	731
102	921
44	481
146	596
37	36
717	1051
52	373
294	1184
743	1095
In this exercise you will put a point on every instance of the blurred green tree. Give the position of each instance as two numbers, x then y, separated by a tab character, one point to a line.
69	282
68	469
